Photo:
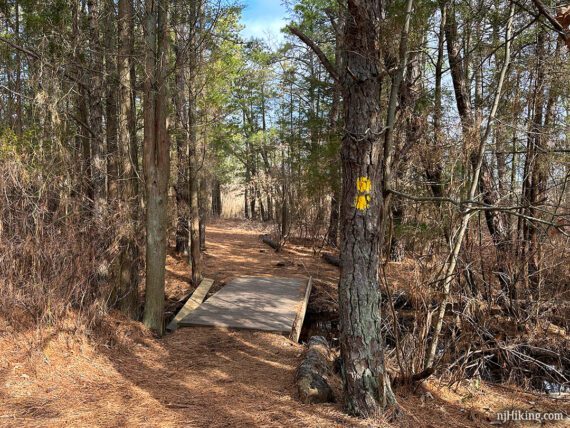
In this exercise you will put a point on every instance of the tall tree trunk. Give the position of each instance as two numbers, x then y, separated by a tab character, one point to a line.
127	287
433	165
203	212
216	198
83	138
366	381
193	158
335	126
182	141
409	91
332	233
137	169
98	150
110	38
266	164
156	160
18	88
284	217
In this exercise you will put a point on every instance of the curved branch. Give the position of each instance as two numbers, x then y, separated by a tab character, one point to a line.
320	54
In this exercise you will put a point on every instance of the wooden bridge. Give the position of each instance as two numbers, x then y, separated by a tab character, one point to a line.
274	304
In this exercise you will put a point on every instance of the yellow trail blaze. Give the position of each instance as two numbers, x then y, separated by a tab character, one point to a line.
363	185
362	200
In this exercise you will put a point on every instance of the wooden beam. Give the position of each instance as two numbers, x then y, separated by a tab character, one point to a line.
298	323
192	303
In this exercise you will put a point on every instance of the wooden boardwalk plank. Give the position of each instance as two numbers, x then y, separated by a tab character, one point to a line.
192	303
254	303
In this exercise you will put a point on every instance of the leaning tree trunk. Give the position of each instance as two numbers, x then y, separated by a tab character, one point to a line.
495	219
367	385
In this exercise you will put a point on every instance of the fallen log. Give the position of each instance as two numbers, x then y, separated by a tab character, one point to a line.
415	378
267	240
313	373
330	259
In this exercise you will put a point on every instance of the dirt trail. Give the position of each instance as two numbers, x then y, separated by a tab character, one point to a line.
233	248
198	377
120	375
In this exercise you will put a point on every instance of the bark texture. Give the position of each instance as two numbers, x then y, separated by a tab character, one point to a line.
193	156
156	162
366	381
127	286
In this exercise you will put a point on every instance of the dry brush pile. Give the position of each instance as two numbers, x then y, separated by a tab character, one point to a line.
54	260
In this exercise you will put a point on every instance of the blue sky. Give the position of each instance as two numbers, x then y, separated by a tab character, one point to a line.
263	18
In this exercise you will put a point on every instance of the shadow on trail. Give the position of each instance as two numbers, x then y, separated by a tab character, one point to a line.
213	378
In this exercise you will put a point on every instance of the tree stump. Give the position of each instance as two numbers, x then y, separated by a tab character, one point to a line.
314	372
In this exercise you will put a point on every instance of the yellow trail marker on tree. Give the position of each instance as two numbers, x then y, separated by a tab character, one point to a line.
362	200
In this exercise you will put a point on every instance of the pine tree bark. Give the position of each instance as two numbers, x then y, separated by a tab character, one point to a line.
156	159
127	286
366	381
193	185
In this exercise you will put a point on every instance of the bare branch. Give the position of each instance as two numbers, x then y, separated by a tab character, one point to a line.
557	25
320	54
37	56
